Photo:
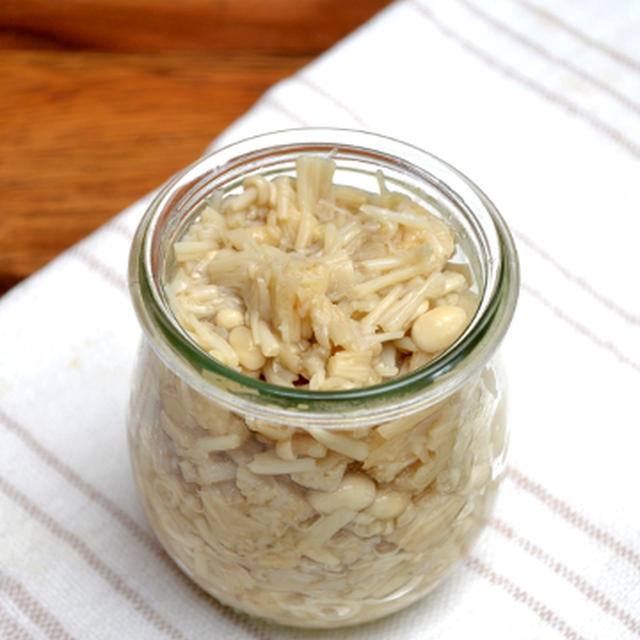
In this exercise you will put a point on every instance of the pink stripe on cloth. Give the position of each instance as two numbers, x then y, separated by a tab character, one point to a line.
519	594
589	591
99	267
115	581
578	280
119	228
552	18
581	329
82	485
543	52
10	629
323	92
551	96
278	106
32	608
572	516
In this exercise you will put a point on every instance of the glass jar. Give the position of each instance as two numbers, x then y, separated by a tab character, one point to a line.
382	489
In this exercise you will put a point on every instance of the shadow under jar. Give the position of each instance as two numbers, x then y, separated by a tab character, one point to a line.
320	508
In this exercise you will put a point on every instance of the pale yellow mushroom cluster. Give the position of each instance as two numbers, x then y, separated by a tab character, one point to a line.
314	527
302	282
299	281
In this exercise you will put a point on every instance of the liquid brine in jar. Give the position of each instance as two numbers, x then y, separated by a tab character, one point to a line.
317	424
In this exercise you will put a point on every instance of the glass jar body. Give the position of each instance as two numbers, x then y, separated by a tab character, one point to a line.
315	527
320	508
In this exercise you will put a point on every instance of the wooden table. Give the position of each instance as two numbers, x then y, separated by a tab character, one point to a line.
100	101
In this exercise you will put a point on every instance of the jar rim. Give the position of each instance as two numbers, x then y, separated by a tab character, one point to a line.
295	406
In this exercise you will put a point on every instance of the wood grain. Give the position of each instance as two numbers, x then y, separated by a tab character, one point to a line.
102	101
221	26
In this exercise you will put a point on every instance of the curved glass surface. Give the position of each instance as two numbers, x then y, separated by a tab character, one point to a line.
482	236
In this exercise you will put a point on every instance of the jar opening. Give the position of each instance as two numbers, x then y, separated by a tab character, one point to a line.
482	236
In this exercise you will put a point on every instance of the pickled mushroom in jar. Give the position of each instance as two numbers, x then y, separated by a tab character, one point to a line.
301	282
305	283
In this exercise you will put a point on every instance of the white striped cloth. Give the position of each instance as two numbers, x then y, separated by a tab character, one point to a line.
539	103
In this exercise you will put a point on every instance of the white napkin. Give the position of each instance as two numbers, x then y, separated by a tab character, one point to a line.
539	103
